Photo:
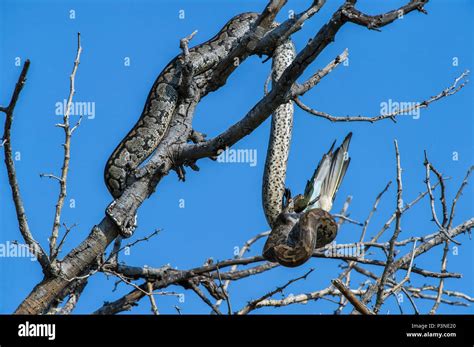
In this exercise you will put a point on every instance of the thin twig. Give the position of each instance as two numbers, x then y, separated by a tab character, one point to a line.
410	298
444	262
131	244
347	219
25	231
442	227
203	297
53	250
343	211
458	195
63	239
253	304
391	251
183	44
453	89
320	74
406	278
242	252
154	308
362	236
224	292
374	208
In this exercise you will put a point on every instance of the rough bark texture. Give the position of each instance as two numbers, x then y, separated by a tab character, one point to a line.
174	151
73	265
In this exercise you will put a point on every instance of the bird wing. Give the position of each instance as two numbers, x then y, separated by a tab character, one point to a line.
323	186
313	187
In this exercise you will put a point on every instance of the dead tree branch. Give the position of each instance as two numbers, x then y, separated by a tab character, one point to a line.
451	90
351	297
25	231
53	251
390	257
242	252
175	151
253	304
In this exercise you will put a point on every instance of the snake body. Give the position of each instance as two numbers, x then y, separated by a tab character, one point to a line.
294	234
303	225
273	186
162	100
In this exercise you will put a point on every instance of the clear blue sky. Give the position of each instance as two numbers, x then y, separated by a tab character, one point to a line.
409	61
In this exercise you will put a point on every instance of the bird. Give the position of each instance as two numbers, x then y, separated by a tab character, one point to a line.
321	189
306	223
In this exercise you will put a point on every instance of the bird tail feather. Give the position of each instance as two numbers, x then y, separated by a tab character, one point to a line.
328	176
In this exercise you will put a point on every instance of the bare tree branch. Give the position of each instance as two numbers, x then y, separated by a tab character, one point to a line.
154	308
360	307
253	304
198	291
174	152
458	195
224	292
25	231
73	297
451	90
390	257
444	262
343	212
53	251
442	227
242	252
374	208
398	286
375	22
299	90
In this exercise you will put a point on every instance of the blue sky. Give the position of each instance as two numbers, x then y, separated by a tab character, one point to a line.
409	60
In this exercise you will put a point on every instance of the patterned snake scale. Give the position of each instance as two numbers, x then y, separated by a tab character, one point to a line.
299	228
161	103
273	187
284	245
